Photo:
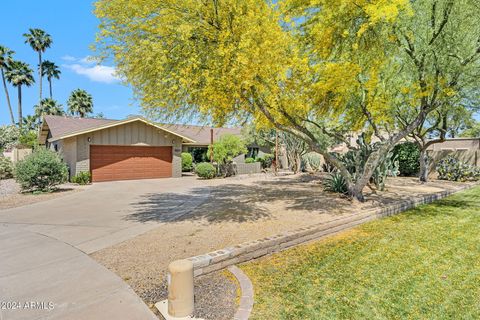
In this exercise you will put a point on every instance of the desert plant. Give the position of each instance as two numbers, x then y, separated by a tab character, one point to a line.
452	169
312	162
41	171
355	162
205	170
407	155
249	160
187	162
335	183
6	168
82	178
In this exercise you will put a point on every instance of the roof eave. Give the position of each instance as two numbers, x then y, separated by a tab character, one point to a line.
119	123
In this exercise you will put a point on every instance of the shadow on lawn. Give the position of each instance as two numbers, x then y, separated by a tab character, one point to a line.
237	202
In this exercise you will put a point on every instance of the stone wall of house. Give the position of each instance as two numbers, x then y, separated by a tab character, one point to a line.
249	168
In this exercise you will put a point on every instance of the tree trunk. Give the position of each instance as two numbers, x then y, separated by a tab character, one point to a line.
12	118
40	75
50	85
424	164
20	115
356	190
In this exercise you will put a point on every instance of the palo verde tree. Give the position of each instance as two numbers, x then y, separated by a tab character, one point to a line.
444	122
301	66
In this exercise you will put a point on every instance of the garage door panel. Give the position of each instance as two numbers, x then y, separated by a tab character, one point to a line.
108	163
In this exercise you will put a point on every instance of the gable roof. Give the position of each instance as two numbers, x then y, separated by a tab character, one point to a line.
61	127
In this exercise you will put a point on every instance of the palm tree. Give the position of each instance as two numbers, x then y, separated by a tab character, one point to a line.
5	59
50	70
39	40
80	103
19	74
30	122
48	107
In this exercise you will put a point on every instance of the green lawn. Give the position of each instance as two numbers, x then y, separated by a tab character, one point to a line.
422	264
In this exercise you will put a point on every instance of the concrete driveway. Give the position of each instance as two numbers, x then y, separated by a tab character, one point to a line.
45	272
103	215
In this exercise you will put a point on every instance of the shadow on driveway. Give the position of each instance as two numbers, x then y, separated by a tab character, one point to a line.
239	202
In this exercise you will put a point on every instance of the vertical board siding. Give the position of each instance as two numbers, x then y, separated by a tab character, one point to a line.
130	134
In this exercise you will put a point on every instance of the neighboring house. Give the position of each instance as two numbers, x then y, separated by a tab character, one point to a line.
465	149
457	144
134	148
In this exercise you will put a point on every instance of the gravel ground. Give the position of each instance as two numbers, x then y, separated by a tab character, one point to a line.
11	197
235	213
8	187
216	296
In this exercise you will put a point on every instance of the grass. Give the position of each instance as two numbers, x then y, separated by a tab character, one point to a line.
421	264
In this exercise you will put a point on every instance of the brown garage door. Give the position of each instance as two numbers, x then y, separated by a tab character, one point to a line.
110	163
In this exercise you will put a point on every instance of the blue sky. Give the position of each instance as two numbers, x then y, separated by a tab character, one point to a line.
72	26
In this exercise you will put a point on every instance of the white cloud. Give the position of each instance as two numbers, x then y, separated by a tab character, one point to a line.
69	58
97	73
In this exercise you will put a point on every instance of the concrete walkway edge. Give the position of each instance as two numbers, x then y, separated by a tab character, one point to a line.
246	299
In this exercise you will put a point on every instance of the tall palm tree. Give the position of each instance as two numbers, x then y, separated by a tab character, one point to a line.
39	40
30	122
80	103
48	107
50	70
5	59
19	74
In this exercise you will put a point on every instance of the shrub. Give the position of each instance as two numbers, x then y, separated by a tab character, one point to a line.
249	160
266	160
28	139
187	162
9	136
226	148
408	155
82	178
6	168
42	170
335	183
205	170
452	169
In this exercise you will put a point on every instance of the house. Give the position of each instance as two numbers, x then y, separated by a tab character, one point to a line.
133	148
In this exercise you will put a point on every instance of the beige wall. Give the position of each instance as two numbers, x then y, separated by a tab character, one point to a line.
457	144
134	133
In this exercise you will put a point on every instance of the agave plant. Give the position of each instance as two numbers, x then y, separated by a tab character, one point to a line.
335	183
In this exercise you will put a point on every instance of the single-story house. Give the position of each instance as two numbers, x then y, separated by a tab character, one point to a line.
133	148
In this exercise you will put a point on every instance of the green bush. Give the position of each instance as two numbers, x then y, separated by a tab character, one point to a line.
335	183
205	170
266	160
82	178
407	155
42	171
6	168
452	169
249	160
187	162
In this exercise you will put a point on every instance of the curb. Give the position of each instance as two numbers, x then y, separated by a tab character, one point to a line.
246	300
220	259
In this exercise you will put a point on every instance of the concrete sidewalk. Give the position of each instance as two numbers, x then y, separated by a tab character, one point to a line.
43	278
